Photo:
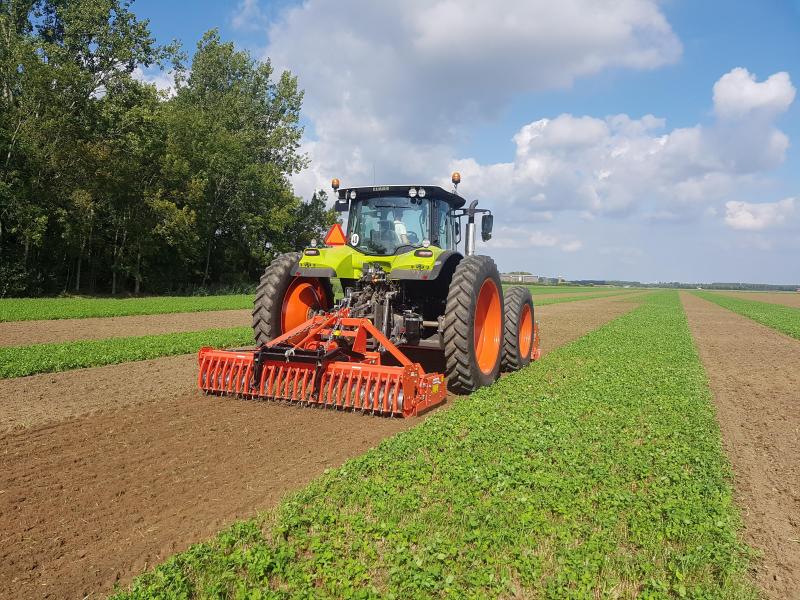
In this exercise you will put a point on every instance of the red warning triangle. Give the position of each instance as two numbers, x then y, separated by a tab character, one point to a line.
335	236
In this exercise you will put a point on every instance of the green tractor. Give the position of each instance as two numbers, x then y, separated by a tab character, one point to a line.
407	293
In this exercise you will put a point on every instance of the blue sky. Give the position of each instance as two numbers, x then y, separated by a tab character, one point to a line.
708	189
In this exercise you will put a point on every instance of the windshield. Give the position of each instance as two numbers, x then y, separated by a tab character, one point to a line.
388	224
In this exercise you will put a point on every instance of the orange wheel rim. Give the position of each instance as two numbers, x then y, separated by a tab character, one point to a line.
302	298
488	326
525	335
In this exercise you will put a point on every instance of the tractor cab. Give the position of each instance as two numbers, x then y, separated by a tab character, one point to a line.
391	220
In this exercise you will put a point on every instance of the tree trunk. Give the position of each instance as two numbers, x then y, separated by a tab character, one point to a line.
208	258
138	275
78	266
114	265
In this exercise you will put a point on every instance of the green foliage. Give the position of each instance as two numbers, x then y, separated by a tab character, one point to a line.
49	358
783	318
29	309
108	185
595	472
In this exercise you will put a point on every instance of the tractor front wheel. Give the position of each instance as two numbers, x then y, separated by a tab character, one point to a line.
285	300
519	330
473	325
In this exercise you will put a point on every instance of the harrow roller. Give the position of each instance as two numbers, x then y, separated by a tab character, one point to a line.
311	365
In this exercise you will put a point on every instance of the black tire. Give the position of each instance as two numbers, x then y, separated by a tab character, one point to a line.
514	302
270	294
464	375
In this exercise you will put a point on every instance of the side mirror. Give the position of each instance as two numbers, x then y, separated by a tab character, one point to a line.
487	221
341	205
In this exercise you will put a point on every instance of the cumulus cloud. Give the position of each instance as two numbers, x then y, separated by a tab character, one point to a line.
617	165
391	87
509	237
738	94
163	80
248	16
758	216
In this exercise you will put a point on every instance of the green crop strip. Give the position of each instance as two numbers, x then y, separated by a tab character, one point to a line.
538	301
28	309
783	318
49	358
544	290
596	472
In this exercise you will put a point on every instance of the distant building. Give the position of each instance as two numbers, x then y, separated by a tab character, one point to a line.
518	278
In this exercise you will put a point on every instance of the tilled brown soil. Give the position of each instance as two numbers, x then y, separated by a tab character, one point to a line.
785	298
124	465
22	333
754	373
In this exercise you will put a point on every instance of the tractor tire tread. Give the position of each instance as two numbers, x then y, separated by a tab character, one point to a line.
460	365
269	294
514	298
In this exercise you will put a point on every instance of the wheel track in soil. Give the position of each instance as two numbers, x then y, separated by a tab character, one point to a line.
91	495
23	333
754	374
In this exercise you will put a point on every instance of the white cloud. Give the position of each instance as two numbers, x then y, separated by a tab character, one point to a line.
619	165
738	94
163	80
248	16
758	216
394	86
510	237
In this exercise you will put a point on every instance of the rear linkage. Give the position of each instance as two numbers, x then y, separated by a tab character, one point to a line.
332	360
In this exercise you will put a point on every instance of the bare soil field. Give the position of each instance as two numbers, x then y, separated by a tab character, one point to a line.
785	298
23	333
110	470
754	373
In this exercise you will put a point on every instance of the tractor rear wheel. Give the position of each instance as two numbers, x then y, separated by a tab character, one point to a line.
519	330
473	325
284	300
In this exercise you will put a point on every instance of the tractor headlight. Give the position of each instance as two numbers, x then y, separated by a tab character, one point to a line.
421	192
412	192
352	194
313	243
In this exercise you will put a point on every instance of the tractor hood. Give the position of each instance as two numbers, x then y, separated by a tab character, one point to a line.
347	263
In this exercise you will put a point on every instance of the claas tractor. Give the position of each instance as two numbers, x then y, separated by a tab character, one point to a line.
416	320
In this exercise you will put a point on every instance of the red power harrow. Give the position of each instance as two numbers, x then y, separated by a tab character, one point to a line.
326	361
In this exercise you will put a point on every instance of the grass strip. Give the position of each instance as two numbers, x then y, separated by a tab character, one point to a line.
539	301
49	358
785	319
596	472
545	290
29	309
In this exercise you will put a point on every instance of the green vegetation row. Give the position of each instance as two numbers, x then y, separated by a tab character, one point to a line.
783	318
538	301
27	309
50	358
539	290
595	472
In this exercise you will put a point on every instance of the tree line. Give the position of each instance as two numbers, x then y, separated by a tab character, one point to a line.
109	186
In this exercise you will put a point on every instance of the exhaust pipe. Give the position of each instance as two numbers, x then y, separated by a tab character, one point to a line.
469	242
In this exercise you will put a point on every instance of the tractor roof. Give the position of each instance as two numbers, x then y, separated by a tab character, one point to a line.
375	191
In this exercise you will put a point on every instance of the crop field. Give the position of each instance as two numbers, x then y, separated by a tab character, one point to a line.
30	309
616	466
777	316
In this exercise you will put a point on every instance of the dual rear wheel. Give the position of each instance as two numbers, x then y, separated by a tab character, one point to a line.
485	330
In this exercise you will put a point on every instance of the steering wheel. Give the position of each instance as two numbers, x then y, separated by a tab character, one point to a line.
413	237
